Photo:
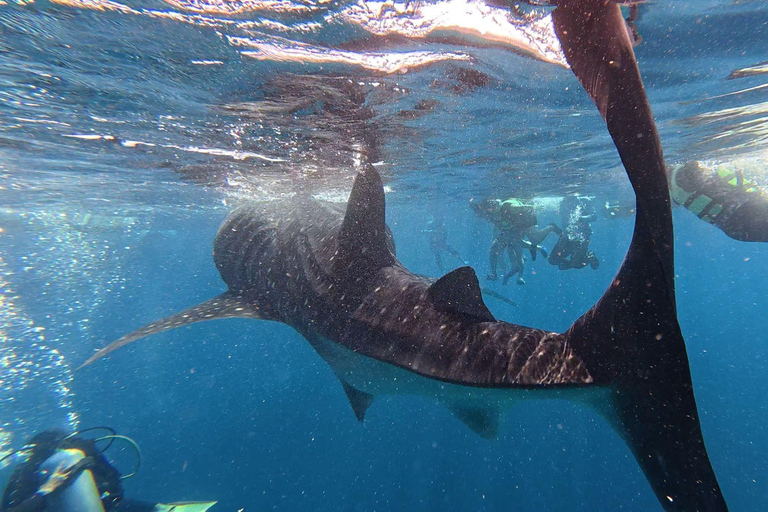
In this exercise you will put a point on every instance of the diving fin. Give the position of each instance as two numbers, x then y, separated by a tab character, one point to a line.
184	506
226	305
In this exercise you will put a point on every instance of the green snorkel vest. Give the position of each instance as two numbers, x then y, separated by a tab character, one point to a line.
697	201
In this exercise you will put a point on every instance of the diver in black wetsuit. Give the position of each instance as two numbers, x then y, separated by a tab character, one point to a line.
723	197
438	242
572	249
514	220
69	473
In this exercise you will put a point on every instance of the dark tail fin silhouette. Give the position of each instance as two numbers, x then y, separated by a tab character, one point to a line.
631	338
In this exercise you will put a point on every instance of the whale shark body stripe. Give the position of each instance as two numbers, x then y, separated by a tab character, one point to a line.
333	276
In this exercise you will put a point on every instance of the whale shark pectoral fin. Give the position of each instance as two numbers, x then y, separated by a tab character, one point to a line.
359	400
483	421
226	305
459	292
364	242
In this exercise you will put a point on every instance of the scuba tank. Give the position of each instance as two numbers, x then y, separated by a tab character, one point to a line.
66	490
64	473
68	473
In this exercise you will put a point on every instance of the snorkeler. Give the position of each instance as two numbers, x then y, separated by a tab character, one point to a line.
513	220
438	242
69	473
572	248
722	196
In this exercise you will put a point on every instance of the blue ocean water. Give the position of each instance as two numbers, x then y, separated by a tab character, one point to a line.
129	130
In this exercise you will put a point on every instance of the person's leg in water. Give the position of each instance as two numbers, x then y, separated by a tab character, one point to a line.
579	254
515	253
592	260
453	252
537	235
496	248
560	253
582	255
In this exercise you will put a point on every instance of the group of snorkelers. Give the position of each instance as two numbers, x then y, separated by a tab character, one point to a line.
719	195
517	229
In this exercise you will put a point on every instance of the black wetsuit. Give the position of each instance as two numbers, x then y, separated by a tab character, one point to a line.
572	248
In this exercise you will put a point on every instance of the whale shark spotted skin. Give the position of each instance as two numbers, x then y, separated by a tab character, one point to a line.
332	274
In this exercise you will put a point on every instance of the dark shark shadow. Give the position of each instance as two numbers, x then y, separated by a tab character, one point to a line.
333	276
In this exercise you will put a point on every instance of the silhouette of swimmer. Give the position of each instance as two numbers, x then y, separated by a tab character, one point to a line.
514	220
722	196
572	248
438	242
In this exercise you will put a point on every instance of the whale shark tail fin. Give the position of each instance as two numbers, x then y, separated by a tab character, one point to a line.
631	339
226	305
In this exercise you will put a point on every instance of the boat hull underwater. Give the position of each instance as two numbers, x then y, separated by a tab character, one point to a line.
332	274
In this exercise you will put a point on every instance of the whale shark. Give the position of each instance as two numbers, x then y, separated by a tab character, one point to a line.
332	274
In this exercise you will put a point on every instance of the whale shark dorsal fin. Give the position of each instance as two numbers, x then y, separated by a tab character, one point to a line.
226	305
459	291
363	239
359	400
483	421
